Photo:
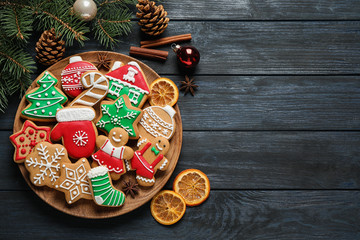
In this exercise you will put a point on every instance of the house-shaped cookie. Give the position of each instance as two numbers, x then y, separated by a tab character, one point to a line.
130	80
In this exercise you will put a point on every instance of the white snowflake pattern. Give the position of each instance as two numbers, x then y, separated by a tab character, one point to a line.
75	182
80	138
154	125
119	104
145	116
48	167
102	123
165	131
105	110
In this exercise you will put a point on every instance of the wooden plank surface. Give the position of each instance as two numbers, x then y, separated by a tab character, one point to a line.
262	103
253	160
225	215
262	10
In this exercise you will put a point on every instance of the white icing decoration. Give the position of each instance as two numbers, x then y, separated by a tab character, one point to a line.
75	59
49	166
158	147
127	165
130	76
154	125
37	104
53	93
145	179
116	65
46	94
141	142
75	114
44	86
43	111
97	171
164	164
117	140
80	138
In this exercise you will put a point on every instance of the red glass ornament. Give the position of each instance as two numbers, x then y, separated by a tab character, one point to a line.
187	56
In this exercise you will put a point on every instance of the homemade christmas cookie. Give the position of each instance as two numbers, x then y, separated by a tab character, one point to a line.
119	113
112	152
97	87
103	192
77	131
44	163
71	75
73	181
156	122
26	139
129	80
44	100
148	160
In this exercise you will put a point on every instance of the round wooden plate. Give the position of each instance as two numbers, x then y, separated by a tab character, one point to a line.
87	208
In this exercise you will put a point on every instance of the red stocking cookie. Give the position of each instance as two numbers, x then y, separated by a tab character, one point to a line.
149	159
26	139
112	152
70	76
44	163
77	131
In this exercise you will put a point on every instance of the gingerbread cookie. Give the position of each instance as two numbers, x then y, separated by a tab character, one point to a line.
71	75
73	181
44	100
77	131
103	192
129	80
26	139
97	87
119	113
44	163
156	122
149	159
112	152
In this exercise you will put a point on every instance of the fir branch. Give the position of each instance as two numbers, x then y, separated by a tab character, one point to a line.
17	23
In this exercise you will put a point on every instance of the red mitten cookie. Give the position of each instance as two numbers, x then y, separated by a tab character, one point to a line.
77	131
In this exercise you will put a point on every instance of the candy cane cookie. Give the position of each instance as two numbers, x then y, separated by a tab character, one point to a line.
97	87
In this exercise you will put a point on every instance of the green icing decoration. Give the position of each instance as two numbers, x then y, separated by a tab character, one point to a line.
118	115
118	89
45	100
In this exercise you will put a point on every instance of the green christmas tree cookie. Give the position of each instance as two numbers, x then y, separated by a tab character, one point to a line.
44	100
120	113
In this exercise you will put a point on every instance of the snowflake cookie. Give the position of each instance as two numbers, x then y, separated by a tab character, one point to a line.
119	113
44	163
73	181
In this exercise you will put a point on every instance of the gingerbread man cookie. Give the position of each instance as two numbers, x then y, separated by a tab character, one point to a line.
77	131
149	159
73	181
44	163
26	139
112	152
119	113
156	122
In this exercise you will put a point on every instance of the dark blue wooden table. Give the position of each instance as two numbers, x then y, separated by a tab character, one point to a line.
275	125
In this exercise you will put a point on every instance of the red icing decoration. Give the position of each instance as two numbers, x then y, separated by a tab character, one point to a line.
71	77
79	137
140	81
21	136
42	135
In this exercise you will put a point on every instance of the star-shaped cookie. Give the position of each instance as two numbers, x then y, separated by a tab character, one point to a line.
119	113
26	139
73	181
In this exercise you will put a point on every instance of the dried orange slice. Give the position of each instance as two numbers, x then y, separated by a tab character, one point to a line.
163	92
193	185
167	207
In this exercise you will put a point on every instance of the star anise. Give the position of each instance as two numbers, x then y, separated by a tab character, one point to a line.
130	187
103	61
188	86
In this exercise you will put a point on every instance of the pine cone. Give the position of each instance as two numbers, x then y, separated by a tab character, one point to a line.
50	49
153	20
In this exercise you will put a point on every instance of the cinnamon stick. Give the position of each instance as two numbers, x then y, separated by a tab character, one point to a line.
149	53
165	40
